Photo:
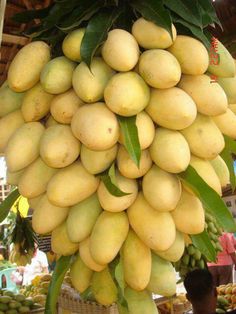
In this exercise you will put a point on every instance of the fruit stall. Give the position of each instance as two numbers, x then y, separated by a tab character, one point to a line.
118	128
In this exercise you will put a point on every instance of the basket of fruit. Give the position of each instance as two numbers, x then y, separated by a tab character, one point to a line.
226	298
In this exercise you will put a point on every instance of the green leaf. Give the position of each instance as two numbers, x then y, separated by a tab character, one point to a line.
29	15
154	11
187	9
62	265
130	134
203	242
96	33
6	205
210	199
208	12
109	179
226	154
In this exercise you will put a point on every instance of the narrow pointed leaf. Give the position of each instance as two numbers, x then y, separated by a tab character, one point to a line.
59	272
6	205
208	11
96	33
130	134
154	11
203	243
209	198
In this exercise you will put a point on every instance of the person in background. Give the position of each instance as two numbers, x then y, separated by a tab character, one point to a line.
222	271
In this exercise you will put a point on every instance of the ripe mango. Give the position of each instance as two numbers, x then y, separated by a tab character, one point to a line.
228	85
80	275
72	43
14	177
9	100
221	170
226	122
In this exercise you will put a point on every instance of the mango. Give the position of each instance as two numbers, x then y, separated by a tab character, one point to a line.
33	182
159	68
209	98
55	216
191	54
25	68
103	287
150	225
232	107
111	230
166	144
204	138
151	36
50	121
89	82
82	218
80	275
161	189
59	147
189	206
9	100
71	185
120	51
226	122
95	126
8	125
126	94
137	262
23	147
171	108
61	243
228	85
33	201
72	43
113	203
221	170
56	75
163	278
13	178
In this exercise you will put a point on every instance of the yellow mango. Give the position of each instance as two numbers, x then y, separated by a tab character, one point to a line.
13	178
59	147
72	43
111	230
232	107
161	189
221	170
8	125
204	138
60	242
175	252
163	278
191	54
55	216
35	178
82	218
25	68
229	86
80	275
137	262
171	108
36	103
34	201
103	287
113	203
166	144
226	122
71	185
209	98
189	214
56	75
9	100
151	225
23	146
89	82
120	51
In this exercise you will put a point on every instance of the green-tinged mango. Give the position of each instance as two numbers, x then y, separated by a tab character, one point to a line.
175	252
5	299
80	275
58	146
8	125
161	189
104	288
3	306
189	206
82	218
226	122
71	185
36	103
55	216
23	147
221	170
56	75
229	86
72	43
89	82
166	144
204	138
61	243
111	230
9	100
25	68
137	262
163	278
24	309
151	225
33	182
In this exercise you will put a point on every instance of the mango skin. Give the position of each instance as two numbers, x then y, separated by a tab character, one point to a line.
9	100
25	68
226	122
221	170
80	275
72	43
